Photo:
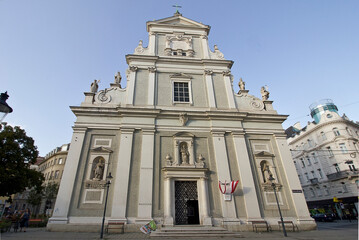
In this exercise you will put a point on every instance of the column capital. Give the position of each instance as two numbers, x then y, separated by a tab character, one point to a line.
208	72
204	37
133	68
238	134
227	73
217	133
152	69
127	130
148	131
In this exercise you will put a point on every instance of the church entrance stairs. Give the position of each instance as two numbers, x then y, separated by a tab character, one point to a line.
189	232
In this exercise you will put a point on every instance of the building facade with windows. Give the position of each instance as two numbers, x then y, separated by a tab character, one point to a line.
52	167
326	156
171	137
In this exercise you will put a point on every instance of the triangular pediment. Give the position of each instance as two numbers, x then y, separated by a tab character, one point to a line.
178	20
101	149
264	154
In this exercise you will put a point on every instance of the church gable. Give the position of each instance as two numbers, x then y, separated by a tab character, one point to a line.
178	20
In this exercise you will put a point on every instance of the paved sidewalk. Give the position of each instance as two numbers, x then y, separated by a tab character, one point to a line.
342	230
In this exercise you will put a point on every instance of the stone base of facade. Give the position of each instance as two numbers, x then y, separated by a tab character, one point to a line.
240	225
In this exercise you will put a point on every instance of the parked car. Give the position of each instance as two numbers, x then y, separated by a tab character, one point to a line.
321	217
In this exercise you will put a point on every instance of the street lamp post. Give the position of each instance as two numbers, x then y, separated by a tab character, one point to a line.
271	179
107	185
4	107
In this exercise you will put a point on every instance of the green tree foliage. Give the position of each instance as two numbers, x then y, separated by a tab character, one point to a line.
34	197
17	153
50	191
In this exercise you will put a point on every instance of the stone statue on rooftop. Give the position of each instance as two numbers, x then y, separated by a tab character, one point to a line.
242	85
94	86
265	93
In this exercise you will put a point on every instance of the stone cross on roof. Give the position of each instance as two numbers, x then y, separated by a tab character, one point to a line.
177	7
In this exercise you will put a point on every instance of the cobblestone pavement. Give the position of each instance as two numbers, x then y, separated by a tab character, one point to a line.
342	230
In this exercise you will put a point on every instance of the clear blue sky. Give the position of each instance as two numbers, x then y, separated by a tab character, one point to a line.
50	52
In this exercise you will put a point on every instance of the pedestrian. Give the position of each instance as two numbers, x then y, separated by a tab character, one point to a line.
24	220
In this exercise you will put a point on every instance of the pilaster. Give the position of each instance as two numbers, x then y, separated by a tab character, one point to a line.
151	86
223	171
122	176
210	89
131	81
152	43
146	176
205	47
229	90
64	196
246	178
290	175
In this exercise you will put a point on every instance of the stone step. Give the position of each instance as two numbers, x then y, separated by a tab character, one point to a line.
194	232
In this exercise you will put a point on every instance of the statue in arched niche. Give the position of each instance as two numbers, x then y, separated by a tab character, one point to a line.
184	153
98	170
265	171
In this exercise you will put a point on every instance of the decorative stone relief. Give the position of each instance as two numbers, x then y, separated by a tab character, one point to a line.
183	118
256	104
200	162
179	45
139	49
103	97
184	155
216	54
168	160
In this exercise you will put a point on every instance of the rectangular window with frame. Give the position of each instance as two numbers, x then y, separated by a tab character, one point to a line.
181	92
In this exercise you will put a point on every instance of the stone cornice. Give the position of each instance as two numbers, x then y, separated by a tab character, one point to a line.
306	133
173	59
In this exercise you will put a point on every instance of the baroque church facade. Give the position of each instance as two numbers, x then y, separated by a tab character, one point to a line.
175	134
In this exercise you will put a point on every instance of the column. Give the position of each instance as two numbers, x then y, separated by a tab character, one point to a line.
205	219
246	178
167	201
146	176
292	179
131	81
64	196
210	89
205	48
152	43
223	171
121	176
151	86
229	89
